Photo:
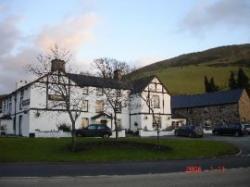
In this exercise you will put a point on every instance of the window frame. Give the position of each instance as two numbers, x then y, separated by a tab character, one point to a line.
154	101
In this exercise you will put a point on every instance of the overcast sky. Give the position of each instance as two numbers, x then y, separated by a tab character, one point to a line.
137	31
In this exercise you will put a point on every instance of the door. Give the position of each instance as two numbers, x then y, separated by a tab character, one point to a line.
20	120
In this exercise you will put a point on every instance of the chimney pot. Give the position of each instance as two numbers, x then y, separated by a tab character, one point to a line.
57	65
118	74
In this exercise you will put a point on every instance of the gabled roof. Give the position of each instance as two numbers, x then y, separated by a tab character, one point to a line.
102	114
207	99
86	80
139	85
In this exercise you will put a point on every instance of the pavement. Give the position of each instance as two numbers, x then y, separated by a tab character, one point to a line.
132	168
230	178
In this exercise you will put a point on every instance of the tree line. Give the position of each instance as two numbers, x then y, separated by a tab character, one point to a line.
235	81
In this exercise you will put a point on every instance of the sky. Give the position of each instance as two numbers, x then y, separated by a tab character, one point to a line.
139	32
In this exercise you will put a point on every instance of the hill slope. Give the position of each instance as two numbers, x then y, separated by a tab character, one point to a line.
185	74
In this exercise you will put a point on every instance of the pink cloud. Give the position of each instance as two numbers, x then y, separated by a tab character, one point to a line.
70	34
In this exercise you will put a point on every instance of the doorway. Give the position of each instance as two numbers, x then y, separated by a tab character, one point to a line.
20	120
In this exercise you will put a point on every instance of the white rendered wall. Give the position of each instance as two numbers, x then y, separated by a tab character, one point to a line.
141	113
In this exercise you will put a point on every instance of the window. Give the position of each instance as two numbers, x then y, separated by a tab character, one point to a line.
221	108
118	93
3	106
10	106
157	121
99	91
85	90
21	100
92	127
156	101
189	111
99	106
118	107
85	105
100	127
155	86
85	122
119	123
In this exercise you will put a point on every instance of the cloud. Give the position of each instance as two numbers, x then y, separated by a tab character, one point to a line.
9	34
12	69
70	34
225	13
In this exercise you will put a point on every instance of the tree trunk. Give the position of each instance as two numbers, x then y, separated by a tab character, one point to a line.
73	134
116	129
158	136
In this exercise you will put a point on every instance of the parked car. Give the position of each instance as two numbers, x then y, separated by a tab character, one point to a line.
95	130
247	127
235	129
189	130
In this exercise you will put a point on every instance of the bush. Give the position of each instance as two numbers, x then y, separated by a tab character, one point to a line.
64	127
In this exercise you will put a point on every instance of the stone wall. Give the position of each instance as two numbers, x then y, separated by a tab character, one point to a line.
228	113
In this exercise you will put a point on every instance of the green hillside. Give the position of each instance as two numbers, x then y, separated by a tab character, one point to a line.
185	74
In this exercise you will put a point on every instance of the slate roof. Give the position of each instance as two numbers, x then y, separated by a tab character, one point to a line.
207	99
86	80
136	86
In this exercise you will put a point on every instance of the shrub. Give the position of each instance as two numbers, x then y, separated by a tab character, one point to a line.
64	127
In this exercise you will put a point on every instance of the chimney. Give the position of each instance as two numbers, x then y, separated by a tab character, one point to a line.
118	74
57	65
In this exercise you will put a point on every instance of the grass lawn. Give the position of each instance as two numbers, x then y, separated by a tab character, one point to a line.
99	150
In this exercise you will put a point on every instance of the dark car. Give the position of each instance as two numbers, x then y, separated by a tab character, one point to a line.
189	130
95	130
230	129
247	127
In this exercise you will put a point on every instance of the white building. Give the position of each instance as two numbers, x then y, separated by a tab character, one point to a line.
31	108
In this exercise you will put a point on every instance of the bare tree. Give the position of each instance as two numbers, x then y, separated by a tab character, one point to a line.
118	96
150	102
63	95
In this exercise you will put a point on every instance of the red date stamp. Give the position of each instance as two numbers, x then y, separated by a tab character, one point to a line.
193	169
198	169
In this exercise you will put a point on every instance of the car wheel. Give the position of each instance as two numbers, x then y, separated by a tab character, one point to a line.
106	136
237	134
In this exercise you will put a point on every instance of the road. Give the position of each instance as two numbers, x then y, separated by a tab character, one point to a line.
230	178
131	168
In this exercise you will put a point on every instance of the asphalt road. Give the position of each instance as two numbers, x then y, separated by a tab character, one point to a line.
131	168
230	178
